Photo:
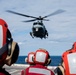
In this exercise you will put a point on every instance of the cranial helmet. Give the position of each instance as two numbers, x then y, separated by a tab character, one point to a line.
42	57
29	58
74	45
3	37
7	46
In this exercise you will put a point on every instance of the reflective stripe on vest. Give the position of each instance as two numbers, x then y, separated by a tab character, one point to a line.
72	62
39	71
1	36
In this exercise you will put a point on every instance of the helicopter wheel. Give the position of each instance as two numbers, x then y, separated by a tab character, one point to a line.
46	36
41	38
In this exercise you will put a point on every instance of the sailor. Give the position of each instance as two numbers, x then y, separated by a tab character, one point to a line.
29	60
9	50
68	64
41	60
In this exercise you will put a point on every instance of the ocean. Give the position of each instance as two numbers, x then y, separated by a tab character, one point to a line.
55	60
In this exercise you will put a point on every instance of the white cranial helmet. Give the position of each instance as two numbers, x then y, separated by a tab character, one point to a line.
41	56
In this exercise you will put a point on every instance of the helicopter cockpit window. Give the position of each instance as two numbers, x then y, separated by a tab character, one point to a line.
40	23
37	23
34	23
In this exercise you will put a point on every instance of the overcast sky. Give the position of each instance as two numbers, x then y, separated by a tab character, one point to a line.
61	27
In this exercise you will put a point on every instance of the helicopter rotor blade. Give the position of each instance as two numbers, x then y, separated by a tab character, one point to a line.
45	19
55	13
29	20
19	14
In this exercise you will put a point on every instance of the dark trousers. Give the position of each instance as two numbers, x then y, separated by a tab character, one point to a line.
3	71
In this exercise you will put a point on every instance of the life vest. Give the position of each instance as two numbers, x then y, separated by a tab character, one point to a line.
38	70
69	59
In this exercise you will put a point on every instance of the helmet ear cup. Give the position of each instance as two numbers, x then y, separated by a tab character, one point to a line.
14	54
48	62
9	46
9	41
33	58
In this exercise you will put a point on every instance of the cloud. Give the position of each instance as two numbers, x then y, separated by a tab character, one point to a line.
61	27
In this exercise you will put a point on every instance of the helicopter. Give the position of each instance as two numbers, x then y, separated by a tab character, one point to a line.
38	29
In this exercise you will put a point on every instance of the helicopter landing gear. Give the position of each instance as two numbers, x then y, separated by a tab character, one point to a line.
32	34
46	36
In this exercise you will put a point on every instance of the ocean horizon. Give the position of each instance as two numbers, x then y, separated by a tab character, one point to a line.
55	60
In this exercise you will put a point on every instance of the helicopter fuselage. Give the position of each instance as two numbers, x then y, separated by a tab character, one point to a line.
39	30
